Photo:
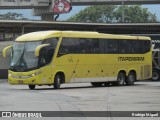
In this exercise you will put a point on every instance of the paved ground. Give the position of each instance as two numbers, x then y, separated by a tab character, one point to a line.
143	96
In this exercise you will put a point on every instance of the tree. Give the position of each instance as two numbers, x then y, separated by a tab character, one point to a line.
12	16
135	13
113	13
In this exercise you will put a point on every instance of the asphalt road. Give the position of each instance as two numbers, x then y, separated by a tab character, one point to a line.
143	96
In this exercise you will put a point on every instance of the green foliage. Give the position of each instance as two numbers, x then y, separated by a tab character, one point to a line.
12	16
113	13
135	13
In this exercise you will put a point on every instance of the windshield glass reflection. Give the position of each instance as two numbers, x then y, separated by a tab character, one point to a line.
22	56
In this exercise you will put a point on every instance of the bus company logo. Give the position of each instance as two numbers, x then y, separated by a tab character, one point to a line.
130	58
6	114
62	6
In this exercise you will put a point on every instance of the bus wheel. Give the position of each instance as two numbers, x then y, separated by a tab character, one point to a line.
155	75
131	78
57	81
96	84
121	79
31	87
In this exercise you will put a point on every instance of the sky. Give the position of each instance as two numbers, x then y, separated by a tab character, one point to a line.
28	13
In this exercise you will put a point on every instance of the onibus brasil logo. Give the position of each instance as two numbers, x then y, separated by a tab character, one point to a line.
21	114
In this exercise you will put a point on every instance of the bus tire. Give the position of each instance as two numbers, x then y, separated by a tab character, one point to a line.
131	78
121	79
96	84
32	87
57	81
155	75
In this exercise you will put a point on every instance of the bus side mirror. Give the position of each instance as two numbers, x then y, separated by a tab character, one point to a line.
5	50
37	51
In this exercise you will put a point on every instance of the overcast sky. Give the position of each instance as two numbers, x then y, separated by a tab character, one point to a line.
28	13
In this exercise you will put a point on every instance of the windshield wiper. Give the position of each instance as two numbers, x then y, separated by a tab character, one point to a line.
20	59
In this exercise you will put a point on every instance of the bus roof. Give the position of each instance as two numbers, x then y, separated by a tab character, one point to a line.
42	35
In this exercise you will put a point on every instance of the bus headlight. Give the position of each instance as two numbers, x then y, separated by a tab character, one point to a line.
34	74
10	75
31	75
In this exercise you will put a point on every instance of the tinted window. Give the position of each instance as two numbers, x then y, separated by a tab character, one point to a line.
147	46
95	43
141	46
135	47
129	47
75	45
111	46
123	46
85	45
103	46
67	46
46	53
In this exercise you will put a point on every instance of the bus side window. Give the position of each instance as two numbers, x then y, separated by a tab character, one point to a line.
95	46
111	46
67	46
135	47
147	46
142	46
138	46
129	47
123	46
43	57
85	45
102	45
50	49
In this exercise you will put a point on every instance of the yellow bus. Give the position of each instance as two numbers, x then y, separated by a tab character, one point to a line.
57	57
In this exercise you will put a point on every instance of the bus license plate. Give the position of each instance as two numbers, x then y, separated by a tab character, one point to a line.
20	81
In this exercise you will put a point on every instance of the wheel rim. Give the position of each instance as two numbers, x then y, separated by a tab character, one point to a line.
58	81
131	78
121	79
155	76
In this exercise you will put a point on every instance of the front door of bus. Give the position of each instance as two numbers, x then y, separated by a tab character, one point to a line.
46	67
47	58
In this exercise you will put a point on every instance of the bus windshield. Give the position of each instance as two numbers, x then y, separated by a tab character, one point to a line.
22	56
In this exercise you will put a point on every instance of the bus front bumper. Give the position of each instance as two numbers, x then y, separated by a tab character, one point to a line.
32	78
